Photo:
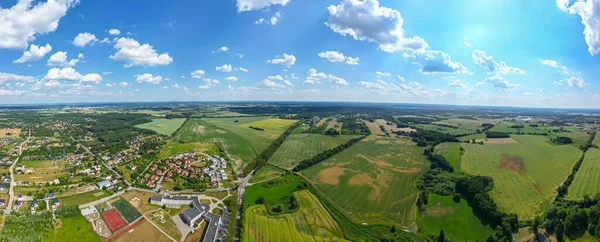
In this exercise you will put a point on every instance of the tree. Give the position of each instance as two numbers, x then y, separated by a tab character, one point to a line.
442	237
393	229
260	200
456	197
536	224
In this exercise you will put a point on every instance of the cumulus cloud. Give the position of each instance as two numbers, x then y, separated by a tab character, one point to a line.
242	69
554	64
413	88
401	78
271	21
352	61
60	59
83	39
71	74
491	66
589	12
466	42
575	82
114	32
197	74
272	84
123	84
434	61
457	83
286	60
223	49
34	53
10	77
501	82
379	73
224	68
134	54
21	23
149	78
231	79
334	56
249	5
367	21
314	77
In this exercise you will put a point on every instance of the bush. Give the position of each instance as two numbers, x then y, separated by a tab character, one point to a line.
456	198
496	134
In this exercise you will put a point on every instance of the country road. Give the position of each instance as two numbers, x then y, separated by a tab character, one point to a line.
11	192
241	194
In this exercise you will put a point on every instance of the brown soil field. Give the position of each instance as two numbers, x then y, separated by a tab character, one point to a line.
514	163
331	175
14	133
143	232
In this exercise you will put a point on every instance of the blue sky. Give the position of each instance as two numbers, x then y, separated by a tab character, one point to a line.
513	53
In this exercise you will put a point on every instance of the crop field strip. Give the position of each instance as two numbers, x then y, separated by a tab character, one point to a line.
587	179
525	174
311	223
163	125
456	219
363	180
298	147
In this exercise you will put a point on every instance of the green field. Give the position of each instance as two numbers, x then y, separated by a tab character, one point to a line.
266	173
525	174
75	228
456	219
273	194
298	147
587	179
163	125
173	148
81	198
448	130
236	138
468	124
310	223
128	212
451	151
373	180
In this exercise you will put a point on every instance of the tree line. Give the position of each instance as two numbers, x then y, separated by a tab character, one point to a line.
264	156
306	163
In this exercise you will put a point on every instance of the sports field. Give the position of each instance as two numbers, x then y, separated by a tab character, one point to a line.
265	173
126	210
298	147
163	125
113	219
525	174
373	180
310	223
587	179
456	219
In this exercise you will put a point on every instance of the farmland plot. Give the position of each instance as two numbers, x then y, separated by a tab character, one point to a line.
587	179
298	147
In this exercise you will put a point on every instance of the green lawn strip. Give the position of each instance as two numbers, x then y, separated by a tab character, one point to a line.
75	228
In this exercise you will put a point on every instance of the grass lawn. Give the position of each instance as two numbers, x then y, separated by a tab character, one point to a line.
43	170
265	173
310	223
456	219
451	151
75	228
166	223
298	147
525	174
373	180
587	179
82	198
163	125
144	200
143	232
273	194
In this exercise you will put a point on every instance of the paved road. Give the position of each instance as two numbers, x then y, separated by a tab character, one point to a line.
241	193
11	192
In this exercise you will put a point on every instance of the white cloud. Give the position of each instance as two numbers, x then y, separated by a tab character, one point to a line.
34	53
288	83
242	69
123	84
334	56
231	79
466	42
589	12
230	87
134	54
164	87
110	85
575	82
528	93
114	32
557	83
10	77
204	87
352	61
271	21
210	81
367	21
379	73
21	23
501	82
106	73
543	90
554	64
197	74
83	39
490	65
479	84
286	60
315	77
71	74
434	61
275	77
224	49
224	68
60	59
413	88
249	5
240	55
148	78
272	84
176	86
401	78
80	56
457	83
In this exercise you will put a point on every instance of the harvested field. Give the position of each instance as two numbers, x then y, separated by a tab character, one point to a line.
373	170
500	141
12	133
114	220
525	174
